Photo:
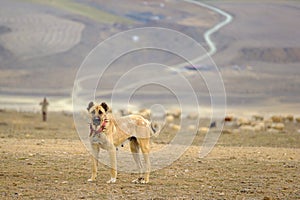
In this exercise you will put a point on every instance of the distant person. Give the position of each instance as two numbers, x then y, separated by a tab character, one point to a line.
213	124
44	104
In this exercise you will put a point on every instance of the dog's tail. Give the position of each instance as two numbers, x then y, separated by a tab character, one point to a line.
155	129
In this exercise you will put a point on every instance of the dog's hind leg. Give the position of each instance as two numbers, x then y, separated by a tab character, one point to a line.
94	156
145	147
135	148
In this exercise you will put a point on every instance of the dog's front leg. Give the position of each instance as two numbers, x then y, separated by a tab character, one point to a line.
94	157
113	165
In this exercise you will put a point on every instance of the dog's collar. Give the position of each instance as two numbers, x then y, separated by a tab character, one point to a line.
101	128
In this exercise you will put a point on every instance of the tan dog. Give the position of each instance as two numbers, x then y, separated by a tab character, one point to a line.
107	133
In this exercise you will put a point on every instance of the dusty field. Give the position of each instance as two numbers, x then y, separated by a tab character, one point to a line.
266	47
48	161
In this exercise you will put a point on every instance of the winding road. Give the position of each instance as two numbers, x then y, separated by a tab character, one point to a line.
209	32
207	37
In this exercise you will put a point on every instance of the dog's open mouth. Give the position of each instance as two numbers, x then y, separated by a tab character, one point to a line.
96	121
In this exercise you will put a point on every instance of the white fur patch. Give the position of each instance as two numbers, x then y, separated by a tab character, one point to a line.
112	180
131	127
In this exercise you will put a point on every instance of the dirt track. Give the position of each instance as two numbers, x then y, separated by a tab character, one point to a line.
48	161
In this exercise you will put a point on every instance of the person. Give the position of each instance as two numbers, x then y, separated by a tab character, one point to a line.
44	104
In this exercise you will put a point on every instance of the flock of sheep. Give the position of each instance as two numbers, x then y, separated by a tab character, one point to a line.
232	124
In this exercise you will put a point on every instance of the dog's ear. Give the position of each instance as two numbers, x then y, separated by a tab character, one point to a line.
104	106
91	104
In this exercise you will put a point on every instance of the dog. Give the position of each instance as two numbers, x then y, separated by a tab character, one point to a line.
108	132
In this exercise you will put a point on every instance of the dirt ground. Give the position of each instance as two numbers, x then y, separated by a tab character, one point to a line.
48	161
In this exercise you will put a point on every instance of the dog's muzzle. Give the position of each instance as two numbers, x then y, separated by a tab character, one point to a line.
96	121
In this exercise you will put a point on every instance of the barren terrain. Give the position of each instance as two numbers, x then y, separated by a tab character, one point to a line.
48	161
43	43
259	52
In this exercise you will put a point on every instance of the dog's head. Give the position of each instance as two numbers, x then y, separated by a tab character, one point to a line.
97	112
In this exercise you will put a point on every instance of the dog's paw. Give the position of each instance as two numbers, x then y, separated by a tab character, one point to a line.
144	181
139	180
112	180
91	180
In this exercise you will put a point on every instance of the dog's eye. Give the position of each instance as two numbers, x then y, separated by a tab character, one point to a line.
93	112
100	112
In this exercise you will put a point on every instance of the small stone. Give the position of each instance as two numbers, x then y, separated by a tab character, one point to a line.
245	190
267	198
226	131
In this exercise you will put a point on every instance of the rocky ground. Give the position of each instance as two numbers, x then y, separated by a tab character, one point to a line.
48	161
